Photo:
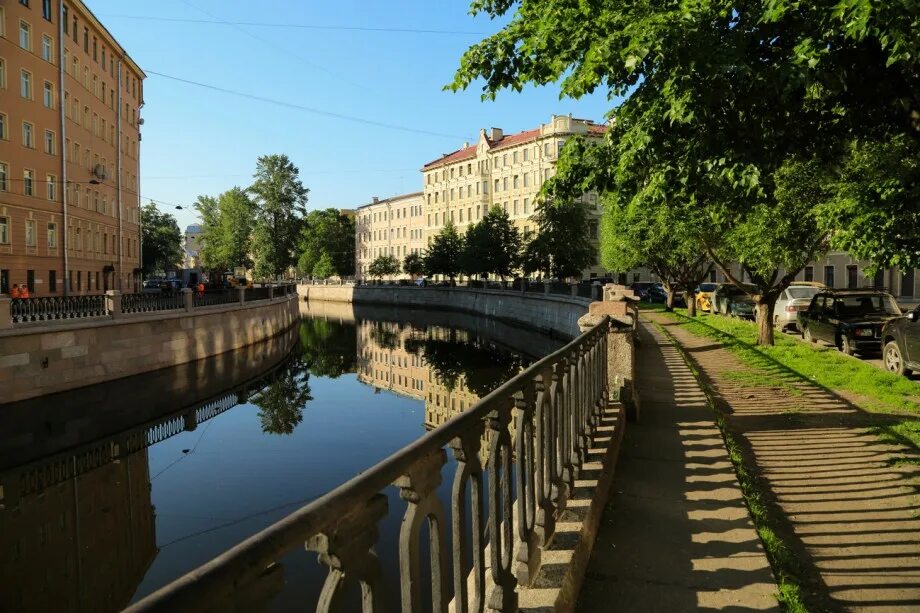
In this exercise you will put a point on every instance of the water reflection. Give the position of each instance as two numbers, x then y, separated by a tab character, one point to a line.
109	492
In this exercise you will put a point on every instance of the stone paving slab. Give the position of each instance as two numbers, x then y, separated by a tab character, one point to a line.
852	511
675	535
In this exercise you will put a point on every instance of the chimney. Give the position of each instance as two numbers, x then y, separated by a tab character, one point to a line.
466	144
497	134
376	199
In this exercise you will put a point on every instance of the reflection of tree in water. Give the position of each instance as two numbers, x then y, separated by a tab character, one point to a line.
328	347
282	401
481	364
385	335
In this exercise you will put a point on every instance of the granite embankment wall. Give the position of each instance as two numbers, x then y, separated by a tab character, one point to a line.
552	314
56	356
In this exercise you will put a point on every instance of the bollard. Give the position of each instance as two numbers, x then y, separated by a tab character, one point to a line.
546	288
271	292
242	291
574	290
113	303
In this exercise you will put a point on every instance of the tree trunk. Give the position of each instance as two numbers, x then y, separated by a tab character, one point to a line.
691	303
764	311
670	300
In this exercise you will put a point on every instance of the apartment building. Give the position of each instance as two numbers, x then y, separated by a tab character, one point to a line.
502	170
393	226
70	100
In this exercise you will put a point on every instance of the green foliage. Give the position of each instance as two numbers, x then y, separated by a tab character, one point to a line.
444	255
328	347
727	108
492	246
227	223
327	232
560	248
282	401
161	239
414	265
323	269
383	266
280	200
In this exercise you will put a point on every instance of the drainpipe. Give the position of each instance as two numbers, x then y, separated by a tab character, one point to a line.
121	240
64	183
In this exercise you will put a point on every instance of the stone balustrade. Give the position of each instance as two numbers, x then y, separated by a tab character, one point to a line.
540	428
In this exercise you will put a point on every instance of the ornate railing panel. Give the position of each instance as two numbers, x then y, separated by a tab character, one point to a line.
146	303
49	308
215	297
537	427
257	293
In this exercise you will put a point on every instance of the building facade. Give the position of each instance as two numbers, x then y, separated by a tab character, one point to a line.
192	246
393	226
70	100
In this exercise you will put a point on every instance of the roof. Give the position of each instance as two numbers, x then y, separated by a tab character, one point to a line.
389	200
469	152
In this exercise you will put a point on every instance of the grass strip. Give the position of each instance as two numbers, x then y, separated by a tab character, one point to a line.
870	388
785	563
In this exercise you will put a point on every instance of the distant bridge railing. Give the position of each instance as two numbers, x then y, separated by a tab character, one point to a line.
113	304
537	426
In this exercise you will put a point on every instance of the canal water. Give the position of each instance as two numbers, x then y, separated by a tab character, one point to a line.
112	491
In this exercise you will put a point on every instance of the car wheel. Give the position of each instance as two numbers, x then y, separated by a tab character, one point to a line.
776	323
845	345
894	361
806	335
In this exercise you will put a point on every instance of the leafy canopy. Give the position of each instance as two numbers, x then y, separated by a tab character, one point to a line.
383	266
492	245
444	255
280	200
161	238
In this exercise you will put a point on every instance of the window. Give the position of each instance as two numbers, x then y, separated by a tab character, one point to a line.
2	71
46	9
51	186
809	273
52	274
85	39
514	182
852	277
48	95
907	283
28	137
526	179
4	131
30	233
496	185
879	281
4	230
47	49
25	36
52	236
2	34
4	177
25	84
66	29
28	182
526	154
30	281
829	276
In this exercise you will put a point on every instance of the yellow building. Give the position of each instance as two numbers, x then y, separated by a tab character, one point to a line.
70	100
393	226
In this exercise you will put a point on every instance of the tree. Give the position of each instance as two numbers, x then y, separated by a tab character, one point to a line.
282	401
443	256
161	239
323	269
328	232
414	265
560	248
226	224
209	213
383	266
328	347
734	106
280	200
492	246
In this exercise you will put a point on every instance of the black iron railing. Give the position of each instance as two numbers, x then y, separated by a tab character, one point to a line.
48	308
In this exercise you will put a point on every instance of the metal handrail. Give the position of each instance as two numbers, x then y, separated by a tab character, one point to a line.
555	404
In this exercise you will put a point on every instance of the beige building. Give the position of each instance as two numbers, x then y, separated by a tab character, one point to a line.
393	226
70	100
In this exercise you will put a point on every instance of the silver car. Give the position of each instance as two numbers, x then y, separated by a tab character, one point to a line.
794	298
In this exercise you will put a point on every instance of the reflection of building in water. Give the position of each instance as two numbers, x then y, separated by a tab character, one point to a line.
384	361
83	544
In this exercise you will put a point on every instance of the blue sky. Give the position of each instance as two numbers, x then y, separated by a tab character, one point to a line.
198	141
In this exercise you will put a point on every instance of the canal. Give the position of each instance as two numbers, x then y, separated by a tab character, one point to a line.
109	492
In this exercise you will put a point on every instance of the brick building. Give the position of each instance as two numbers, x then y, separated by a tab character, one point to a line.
70	100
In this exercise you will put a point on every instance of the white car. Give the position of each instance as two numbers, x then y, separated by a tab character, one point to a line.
794	298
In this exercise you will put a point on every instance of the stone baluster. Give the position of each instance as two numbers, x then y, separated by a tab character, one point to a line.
347	549
504	594
545	519
418	487
113	303
6	315
528	558
188	299
469	470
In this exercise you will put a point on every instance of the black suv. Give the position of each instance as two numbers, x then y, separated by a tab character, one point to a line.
901	343
851	320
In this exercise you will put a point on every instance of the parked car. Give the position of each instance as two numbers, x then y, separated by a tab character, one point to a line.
152	286
797	297
729	299
642	289
901	343
704	296
851	320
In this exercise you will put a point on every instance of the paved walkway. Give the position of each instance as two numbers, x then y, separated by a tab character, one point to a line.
852	510
676	535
